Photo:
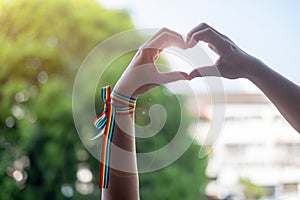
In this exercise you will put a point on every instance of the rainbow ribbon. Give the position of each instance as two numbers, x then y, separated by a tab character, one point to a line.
106	122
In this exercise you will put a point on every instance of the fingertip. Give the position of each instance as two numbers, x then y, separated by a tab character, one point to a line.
168	77
190	44
193	74
205	71
187	38
178	75
184	75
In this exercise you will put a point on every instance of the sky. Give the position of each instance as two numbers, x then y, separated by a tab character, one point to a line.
268	30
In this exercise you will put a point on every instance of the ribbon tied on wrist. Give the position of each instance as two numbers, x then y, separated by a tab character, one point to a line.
105	122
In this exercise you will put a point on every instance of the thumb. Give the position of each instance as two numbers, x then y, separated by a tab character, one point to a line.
168	77
205	71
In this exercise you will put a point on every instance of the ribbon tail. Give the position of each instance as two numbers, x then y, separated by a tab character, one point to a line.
106	148
100	123
98	135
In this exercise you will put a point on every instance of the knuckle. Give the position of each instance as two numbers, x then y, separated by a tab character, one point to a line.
204	25
143	51
164	29
209	31
165	36
232	48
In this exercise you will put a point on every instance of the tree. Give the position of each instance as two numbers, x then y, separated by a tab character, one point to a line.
42	45
183	179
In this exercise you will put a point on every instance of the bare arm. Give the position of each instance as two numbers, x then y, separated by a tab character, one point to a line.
283	93
140	76
235	63
123	181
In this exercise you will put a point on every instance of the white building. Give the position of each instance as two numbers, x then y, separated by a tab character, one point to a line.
256	144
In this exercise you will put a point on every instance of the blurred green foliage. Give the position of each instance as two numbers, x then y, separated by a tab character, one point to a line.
253	191
43	42
183	179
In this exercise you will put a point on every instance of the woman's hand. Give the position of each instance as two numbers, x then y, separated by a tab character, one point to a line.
142	74
233	62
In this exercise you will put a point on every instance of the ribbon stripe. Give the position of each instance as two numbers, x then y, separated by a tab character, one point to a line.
105	122
130	102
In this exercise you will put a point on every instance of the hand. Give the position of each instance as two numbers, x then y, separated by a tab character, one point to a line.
233	62
142	74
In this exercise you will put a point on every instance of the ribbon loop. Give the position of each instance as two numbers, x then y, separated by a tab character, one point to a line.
101	120
105	94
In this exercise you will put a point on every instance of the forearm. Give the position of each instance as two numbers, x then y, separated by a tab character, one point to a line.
123	178
284	94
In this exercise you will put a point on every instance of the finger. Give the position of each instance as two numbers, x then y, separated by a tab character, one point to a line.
200	27
203	26
197	28
204	72
157	34
168	77
209	36
206	35
212	48
163	30
166	39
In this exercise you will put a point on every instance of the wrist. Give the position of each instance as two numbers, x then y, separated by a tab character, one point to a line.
125	91
122	104
254	69
259	74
